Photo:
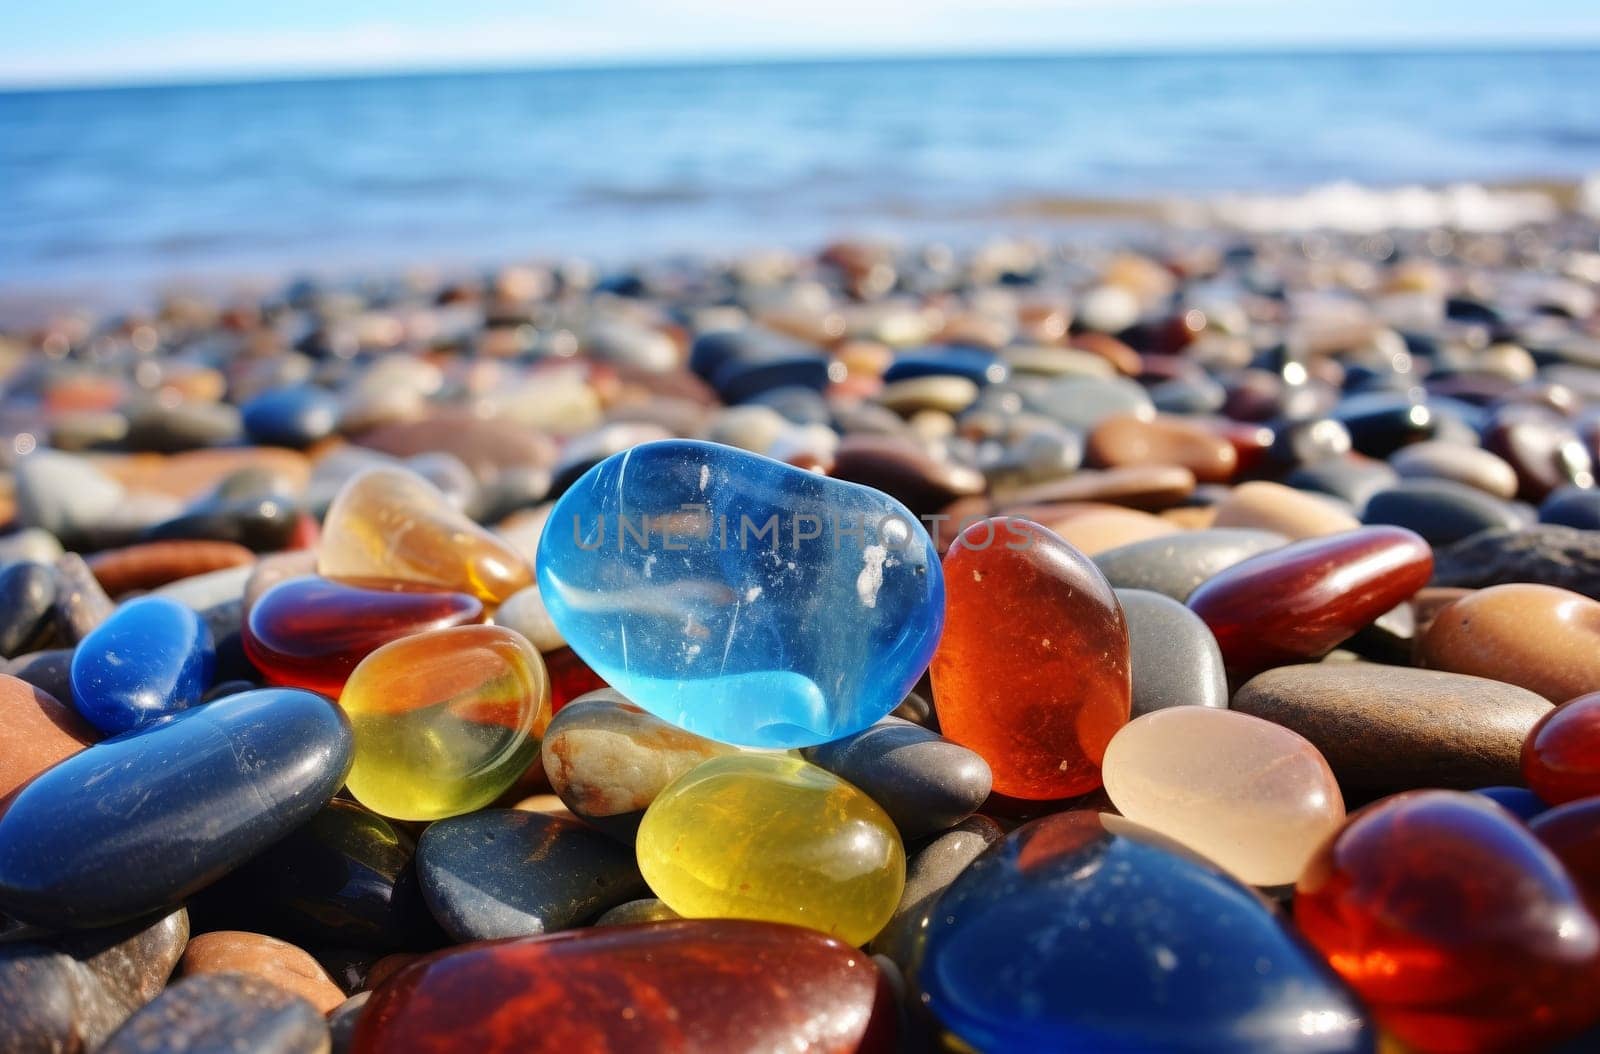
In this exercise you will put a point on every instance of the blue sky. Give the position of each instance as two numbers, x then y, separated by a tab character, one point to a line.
80	41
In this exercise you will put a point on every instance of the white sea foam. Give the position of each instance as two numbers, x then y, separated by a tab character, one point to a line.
1356	208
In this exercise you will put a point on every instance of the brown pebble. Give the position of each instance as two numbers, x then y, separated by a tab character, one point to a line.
1137	487
36	732
906	472
1124	439
1275	507
153	564
1541	638
283	964
1386	729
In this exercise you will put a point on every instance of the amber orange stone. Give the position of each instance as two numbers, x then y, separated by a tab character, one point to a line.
1299	601
1032	671
1459	929
695	985
1125	439
1561	756
392	523
310	632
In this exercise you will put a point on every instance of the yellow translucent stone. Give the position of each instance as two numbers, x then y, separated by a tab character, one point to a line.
1256	798
766	836
445	722
392	523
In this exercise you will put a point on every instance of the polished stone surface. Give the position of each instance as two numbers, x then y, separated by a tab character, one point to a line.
445	721
168	809
1032	671
1252	796
763	836
1083	931
1452	921
653	570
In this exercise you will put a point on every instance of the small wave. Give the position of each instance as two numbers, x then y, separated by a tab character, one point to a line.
1352	207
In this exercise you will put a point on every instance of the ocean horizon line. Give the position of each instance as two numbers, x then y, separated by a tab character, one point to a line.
612	65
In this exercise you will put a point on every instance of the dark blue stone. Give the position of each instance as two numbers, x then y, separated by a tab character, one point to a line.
152	658
27	597
742	379
1572	507
293	417
1084	932
344	879
1518	801
975	364
1382	422
137	823
1440	510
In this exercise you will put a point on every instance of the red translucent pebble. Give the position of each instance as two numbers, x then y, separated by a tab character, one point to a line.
1298	602
722	985
310	632
1572	832
1032	671
570	677
1457	927
1561	756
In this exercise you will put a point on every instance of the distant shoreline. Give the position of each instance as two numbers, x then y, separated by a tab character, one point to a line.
1091	219
602	66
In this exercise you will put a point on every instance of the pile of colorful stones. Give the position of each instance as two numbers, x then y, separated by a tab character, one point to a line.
1184	647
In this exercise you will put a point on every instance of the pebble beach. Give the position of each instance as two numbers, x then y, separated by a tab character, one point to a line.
1185	639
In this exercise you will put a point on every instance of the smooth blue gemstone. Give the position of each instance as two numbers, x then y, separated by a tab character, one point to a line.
740	598
975	364
1084	932
135	824
294	417
152	658
1518	801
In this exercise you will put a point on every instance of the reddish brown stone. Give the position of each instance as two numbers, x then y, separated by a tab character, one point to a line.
1572	832
1299	601
1454	924
904	471
1561	756
153	564
714	985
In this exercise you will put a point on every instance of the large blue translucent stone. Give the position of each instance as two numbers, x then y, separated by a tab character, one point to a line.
741	598
1084	932
152	658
